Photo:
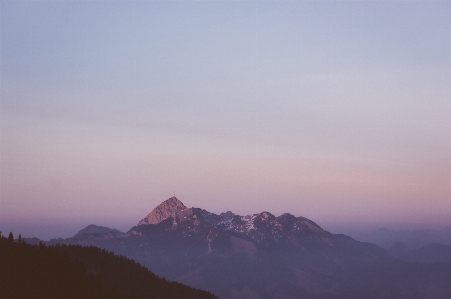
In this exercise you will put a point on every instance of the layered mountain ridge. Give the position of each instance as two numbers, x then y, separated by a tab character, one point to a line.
263	228
266	256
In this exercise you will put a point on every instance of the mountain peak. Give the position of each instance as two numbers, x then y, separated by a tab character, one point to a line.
166	209
96	229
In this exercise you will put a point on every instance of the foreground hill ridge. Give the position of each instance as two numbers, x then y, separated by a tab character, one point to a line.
75	272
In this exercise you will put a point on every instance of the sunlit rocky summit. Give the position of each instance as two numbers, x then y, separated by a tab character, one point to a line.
168	208
258	230
266	256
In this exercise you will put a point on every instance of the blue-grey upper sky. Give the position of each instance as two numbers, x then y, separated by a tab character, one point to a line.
339	111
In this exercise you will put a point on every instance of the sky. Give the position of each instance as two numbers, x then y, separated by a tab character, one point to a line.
338	111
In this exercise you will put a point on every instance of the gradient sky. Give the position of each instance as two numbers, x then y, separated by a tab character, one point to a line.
338	111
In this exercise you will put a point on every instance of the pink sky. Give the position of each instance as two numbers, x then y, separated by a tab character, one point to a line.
338	113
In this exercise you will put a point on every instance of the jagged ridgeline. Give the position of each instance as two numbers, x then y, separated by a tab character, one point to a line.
262	256
71	271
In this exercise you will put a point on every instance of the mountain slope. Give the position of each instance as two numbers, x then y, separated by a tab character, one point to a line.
79	272
166	209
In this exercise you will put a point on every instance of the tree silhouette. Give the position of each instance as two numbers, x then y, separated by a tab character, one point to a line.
75	272
20	240
10	237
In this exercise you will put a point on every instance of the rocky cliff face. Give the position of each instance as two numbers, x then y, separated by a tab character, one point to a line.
168	208
263	229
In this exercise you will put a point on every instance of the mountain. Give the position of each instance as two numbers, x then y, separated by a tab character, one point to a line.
267	256
168	208
413	239
32	241
79	272
95	229
429	254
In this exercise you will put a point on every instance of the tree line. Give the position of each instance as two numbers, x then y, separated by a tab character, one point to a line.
73	271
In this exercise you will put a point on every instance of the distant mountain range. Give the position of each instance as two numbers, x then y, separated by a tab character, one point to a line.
428	254
412	239
264	256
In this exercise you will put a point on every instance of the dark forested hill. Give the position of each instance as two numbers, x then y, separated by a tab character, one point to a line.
68	271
